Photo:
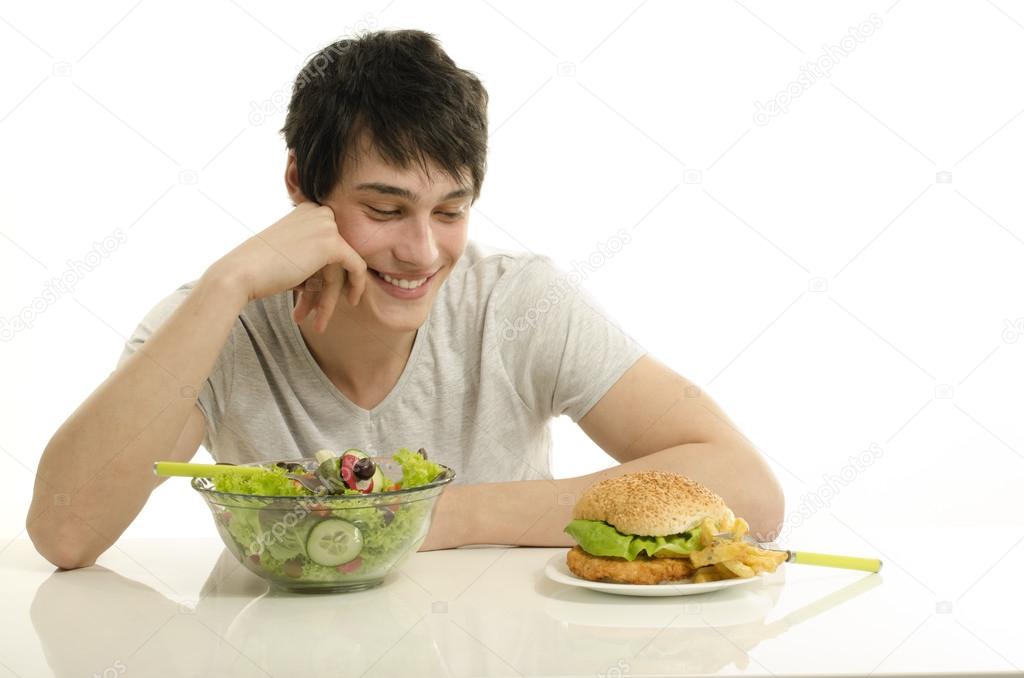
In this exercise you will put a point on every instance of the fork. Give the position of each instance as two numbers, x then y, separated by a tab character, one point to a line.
193	470
821	559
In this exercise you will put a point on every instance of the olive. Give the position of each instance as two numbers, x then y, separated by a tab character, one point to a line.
364	468
291	466
293	567
422	452
387	514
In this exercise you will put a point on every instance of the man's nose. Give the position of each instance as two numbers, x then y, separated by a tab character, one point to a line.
418	245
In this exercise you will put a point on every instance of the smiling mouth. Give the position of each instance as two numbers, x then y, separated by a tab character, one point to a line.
403	283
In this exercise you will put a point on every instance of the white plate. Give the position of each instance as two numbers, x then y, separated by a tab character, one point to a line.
558	571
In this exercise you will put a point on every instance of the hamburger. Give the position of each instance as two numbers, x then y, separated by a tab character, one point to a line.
652	527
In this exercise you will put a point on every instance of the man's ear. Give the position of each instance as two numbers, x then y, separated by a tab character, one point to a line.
291	179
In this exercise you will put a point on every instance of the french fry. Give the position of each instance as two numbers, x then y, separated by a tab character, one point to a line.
707	533
736	558
730	556
738	568
766	562
706	574
716	553
739	528
723	571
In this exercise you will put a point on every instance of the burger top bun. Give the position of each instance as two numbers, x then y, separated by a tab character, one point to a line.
652	503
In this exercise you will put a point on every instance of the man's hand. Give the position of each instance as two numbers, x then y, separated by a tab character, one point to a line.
301	251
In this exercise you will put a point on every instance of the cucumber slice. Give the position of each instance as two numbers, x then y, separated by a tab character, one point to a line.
334	542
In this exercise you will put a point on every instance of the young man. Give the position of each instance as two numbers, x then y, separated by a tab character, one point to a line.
366	318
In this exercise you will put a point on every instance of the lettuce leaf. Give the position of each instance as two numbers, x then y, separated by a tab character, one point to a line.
416	470
271	483
598	538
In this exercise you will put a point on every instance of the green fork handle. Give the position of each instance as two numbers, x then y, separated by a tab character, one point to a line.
177	468
826	560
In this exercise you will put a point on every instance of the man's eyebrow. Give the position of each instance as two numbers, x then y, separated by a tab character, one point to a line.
406	193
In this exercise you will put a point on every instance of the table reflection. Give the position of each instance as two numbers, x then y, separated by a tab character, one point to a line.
96	621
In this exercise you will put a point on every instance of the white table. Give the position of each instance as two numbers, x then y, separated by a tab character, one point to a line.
185	607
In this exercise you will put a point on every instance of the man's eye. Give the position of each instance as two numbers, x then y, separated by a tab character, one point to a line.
391	213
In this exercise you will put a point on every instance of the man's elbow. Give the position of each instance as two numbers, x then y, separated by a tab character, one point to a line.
64	556
58	549
767	521
70	560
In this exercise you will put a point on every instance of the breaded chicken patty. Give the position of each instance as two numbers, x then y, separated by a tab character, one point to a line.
643	570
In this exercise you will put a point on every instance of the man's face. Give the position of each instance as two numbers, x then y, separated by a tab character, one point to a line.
405	228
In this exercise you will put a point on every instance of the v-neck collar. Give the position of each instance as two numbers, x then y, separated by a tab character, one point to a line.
314	366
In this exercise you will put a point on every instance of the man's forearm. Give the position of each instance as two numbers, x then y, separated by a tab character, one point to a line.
535	512
95	474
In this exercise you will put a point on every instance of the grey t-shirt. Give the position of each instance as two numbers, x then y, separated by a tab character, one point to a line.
510	342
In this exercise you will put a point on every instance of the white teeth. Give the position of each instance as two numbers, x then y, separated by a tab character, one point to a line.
404	284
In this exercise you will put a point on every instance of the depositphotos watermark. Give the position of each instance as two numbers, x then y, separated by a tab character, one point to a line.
812	71
116	669
65	283
620	670
276	533
832	485
1012	330
564	284
261	111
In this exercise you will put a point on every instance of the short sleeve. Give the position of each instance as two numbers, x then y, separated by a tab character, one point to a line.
214	395
559	347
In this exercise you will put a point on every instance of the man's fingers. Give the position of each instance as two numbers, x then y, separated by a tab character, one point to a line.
361	281
355	271
306	300
309	294
357	274
328	296
315	282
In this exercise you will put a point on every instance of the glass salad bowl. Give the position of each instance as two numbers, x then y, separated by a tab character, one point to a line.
325	543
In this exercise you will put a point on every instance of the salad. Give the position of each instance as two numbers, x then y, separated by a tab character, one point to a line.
352	527
353	472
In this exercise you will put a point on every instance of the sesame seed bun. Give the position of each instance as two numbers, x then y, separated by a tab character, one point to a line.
652	503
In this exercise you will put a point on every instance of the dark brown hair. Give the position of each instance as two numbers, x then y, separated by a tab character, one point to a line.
402	89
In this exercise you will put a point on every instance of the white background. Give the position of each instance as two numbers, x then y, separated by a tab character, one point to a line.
817	275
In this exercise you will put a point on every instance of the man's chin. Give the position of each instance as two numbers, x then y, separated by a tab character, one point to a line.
399	320
401	315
